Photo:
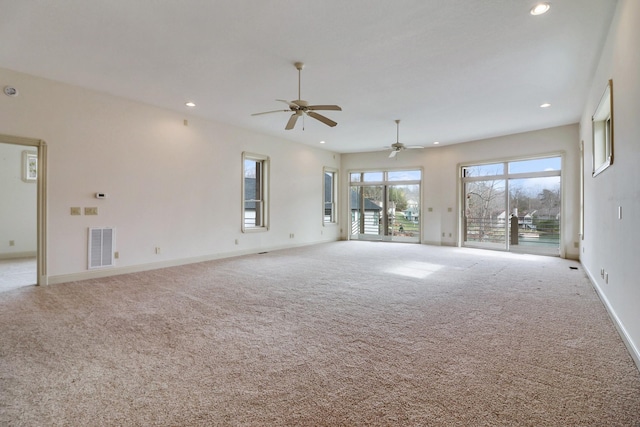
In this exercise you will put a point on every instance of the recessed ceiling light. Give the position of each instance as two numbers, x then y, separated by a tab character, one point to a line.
545	105
321	142
436	142
540	8
10	91
190	104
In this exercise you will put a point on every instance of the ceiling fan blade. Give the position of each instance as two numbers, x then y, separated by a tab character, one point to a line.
269	112
393	154
327	121
324	107
290	104
292	121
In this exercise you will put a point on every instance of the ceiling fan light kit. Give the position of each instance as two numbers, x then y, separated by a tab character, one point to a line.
301	108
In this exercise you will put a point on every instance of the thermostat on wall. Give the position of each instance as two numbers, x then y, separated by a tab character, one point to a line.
101	195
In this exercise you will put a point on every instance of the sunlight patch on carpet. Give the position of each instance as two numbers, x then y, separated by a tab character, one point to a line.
415	269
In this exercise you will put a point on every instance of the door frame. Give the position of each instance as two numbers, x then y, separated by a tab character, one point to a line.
41	203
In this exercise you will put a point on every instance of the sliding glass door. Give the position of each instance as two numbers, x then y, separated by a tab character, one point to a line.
514	205
367	212
385	205
536	202
484	219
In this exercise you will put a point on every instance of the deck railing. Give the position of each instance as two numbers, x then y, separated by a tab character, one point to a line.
492	230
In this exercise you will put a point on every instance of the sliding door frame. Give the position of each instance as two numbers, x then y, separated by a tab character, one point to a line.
507	177
385	182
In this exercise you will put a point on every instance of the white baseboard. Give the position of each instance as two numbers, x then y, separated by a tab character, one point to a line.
116	271
15	255
626	338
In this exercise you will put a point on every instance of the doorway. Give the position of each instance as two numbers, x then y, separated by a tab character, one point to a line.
385	205
513	205
22	229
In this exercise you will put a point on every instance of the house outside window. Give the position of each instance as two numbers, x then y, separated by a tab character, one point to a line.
255	191
329	207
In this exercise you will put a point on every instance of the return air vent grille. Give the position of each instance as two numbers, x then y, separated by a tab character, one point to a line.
101	244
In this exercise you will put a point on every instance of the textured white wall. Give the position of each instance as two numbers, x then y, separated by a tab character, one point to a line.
611	243
17	204
169	185
441	177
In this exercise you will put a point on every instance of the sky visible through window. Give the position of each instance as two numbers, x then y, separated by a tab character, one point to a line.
521	166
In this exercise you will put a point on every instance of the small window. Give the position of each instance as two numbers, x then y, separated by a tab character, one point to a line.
329	205
373	177
603	132
536	165
415	175
255	179
483	170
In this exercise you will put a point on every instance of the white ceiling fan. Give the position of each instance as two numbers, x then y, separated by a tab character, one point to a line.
398	146
300	107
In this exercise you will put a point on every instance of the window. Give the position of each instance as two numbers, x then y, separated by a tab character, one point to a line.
385	205
514	205
536	165
483	170
603	132
255	191
329	204
373	177
410	175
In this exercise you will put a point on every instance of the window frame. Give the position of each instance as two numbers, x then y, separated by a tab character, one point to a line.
334	193
262	216
602	132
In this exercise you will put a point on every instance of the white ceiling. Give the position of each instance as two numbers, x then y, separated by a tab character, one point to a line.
452	70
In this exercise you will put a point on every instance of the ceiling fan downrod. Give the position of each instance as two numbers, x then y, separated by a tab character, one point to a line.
299	67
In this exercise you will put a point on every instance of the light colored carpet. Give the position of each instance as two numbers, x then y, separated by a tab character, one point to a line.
338	334
17	272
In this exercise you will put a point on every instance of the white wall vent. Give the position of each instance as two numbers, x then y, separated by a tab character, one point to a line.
101	244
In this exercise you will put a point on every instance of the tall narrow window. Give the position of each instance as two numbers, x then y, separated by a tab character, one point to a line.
255	177
603	132
329	205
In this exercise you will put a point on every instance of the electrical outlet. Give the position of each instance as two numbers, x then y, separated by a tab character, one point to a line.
91	211
116	255
12	242
76	211
606	278
237	242
158	250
